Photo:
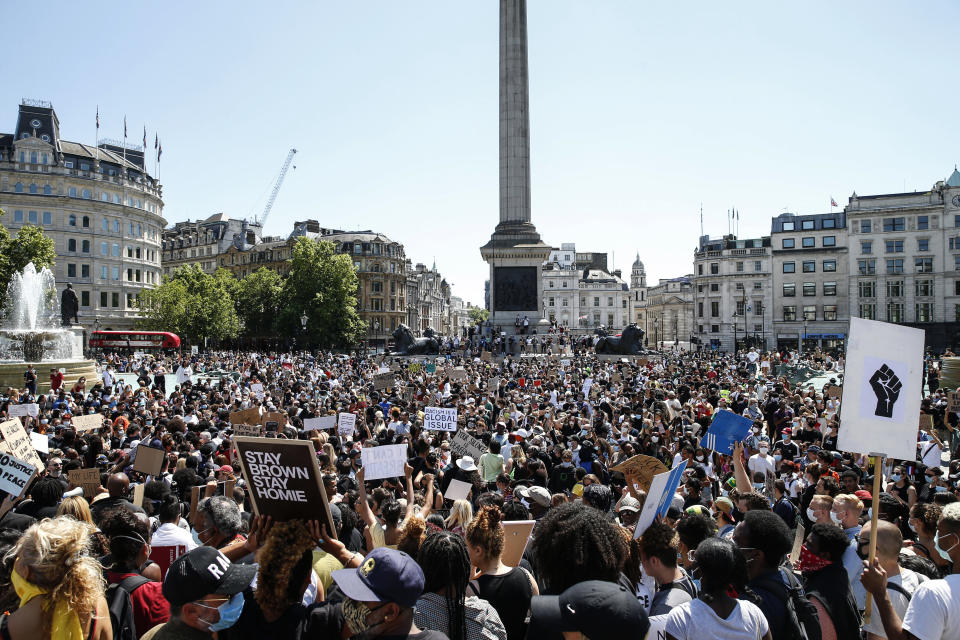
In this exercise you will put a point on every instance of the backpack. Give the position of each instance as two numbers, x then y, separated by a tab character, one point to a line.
802	621
121	606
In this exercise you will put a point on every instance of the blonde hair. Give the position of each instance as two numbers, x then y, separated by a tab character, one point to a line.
848	501
55	550
517	455
460	514
75	507
181	464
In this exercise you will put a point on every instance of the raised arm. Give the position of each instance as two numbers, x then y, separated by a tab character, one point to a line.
428	498
408	478
365	514
742	478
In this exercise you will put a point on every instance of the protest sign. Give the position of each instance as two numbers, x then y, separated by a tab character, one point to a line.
40	442
458	490
323	422
439	419
726	429
431	368
458	373
248	430
15	474
347	423
247	416
257	389
414	367
797	544
926	422
149	460
493	384
642	468
516	537
662	488
486	356
283	479
834	391
31	410
138	490
883	379
463	444
408	395
86	422
19	442
565	362
586	387
385	461
953	402
273	420
89	479
383	381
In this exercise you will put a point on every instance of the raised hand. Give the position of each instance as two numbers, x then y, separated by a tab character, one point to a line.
886	386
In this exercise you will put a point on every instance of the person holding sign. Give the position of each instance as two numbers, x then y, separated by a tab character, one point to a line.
387	534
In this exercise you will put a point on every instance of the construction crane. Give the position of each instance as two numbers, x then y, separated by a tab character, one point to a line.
262	220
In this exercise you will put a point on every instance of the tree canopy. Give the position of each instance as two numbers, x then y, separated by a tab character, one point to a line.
30	244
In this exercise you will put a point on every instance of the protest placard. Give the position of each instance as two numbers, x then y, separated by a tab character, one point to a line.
347	423
725	429
642	468
385	461
148	460
283	479
323	422
797	544
247	416
662	488
431	367
138	490
273	420
586	387
458	373
458	490
439	419
882	386
516	537
86	422
89	479
21	446
486	356
834	391
493	384
414	367
31	410
463	444
953	402
926	422
40	442
248	430
408	395
15	474
383	380
257	389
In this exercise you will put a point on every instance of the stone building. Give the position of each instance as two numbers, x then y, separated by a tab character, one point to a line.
638	296
581	294
99	204
429	300
669	312
203	242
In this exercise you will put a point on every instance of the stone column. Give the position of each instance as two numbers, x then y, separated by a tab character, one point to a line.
514	113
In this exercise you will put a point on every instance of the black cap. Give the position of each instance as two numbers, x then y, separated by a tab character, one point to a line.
204	571
595	608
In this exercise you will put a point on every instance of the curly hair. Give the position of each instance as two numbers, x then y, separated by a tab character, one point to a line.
391	510
575	543
56	552
445	562
632	567
286	544
413	534
486	532
127	534
662	542
833	541
927	514
694	528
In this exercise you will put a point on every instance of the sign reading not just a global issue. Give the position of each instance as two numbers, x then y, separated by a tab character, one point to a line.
284	479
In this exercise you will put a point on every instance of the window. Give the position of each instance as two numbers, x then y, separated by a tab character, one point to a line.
806	225
86	222
609	301
923	287
71	244
789	313
809	242
789	267
85	246
72	220
739	286
923	244
758	307
47	218
739	266
956	287
924	311
105	224
33	188
868	311
115	272
116	226
956	263
788	226
596	301
893	246
130	301
757	265
894	224
700	269
809	289
829	288
829	223
757	286
130	255
84	271
714	268
714	309
551	284
18	216
71	271
788	243
104	272
129	275
714	287
895	288
866	246
47	190
741	308
789	290
104	249
103	299
923	223
810	313
116	250
115	299
895	265
86	194
32	217
829	265
924	265
700	306
829	241
84	298
552	302
867	267
829	312
72	191
809	266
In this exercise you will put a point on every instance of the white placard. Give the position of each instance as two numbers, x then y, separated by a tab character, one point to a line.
586	387
883	378
439	419
347	423
85	422
383	462
40	442
565	362
463	444
15	474
23	410
257	389
458	490
324	422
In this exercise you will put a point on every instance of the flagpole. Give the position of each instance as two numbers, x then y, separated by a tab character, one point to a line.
97	136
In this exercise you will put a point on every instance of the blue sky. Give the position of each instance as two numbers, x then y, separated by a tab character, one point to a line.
640	112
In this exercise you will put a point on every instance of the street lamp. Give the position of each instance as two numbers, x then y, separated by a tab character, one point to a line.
804	336
734	334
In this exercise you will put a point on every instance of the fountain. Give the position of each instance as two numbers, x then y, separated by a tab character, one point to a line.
30	332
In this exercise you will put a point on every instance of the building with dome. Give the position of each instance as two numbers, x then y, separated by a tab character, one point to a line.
638	294
98	203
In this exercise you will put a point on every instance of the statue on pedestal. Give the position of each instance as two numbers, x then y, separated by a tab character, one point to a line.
407	344
627	344
69	306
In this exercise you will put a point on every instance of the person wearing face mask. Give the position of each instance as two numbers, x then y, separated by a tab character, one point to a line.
786	448
761	462
562	476
901	487
923	523
819	510
826	584
900	582
205	592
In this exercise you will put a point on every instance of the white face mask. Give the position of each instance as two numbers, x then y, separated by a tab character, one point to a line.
811	515
764	450
835	517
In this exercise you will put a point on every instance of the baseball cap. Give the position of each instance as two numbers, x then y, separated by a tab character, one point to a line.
204	571
863	495
386	575
594	608
724	504
538	494
629	503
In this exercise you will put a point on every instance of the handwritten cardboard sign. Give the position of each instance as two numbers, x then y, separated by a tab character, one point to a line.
384	461
953	402
641	467
347	423
87	422
247	416
149	460
323	422
463	444
21	446
383	381
439	419
248	430
273	420
89	479
31	410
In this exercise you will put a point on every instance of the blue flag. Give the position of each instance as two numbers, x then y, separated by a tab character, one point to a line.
673	481
726	429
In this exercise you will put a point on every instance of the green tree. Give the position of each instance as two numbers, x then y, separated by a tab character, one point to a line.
30	244
478	315
257	298
323	285
193	304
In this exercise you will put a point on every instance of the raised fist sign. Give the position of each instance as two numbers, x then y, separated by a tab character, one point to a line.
886	386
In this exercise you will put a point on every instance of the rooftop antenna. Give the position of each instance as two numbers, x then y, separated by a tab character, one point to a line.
701	219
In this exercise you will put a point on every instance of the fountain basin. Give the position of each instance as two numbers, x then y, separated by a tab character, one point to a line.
11	373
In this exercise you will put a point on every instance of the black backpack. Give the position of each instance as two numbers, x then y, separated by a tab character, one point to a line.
121	607
802	622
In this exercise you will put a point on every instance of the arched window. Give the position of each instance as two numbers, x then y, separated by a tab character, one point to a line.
33	157
72	220
44	157
71	245
85	246
47	190
18	187
105	196
86	194
86	222
73	192
33	188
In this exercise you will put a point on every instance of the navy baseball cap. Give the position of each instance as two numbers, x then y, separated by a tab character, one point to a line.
386	575
203	571
594	608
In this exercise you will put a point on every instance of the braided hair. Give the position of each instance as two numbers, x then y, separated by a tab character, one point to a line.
445	562
721	565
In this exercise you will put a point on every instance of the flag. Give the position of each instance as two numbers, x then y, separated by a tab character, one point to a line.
725	429
156	141
124	127
98	117
144	138
159	151
833	203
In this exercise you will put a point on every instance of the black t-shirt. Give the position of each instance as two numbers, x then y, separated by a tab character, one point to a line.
324	620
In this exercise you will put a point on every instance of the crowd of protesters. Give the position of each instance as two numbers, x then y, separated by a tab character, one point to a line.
724	562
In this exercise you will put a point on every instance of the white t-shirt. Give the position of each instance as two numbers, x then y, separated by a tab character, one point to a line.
696	620
931	453
763	465
934	611
909	581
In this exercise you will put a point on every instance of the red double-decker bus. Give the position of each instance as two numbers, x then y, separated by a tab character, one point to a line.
138	340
